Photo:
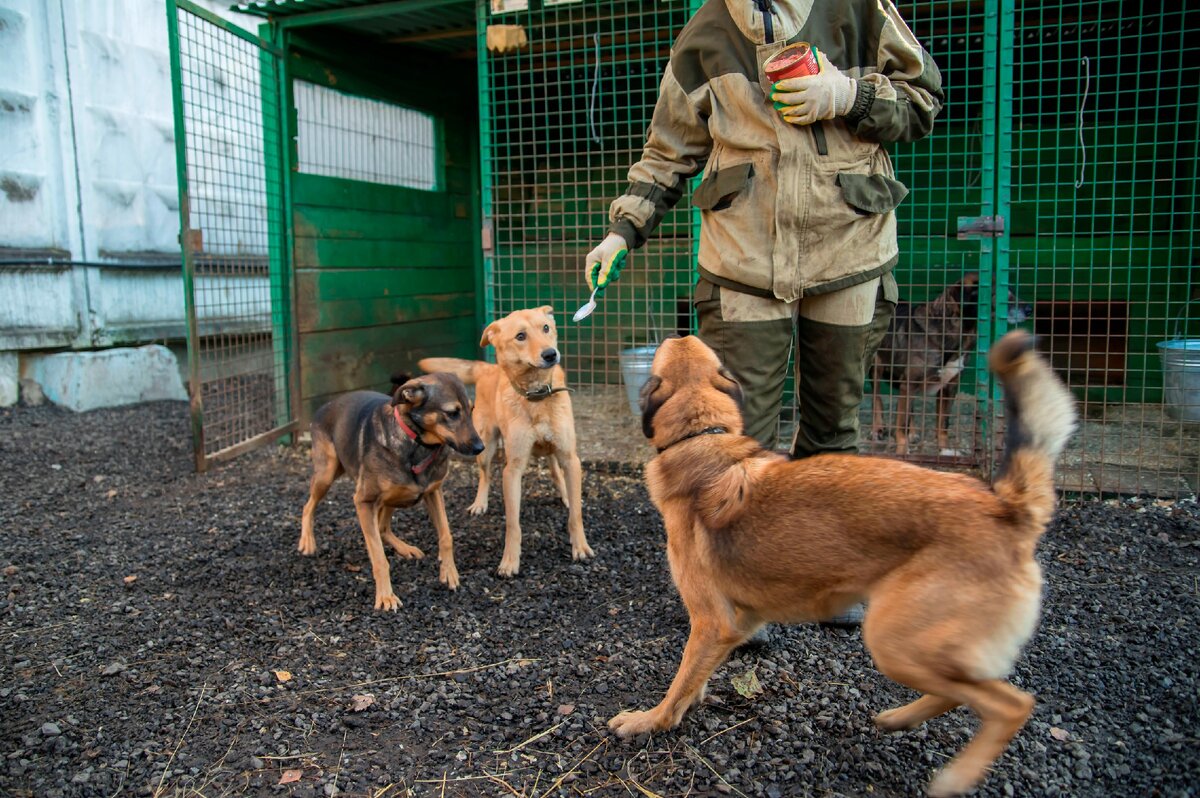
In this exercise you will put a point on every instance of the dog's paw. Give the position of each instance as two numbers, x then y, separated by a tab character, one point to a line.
448	576
877	434
894	719
509	567
951	453
478	508
581	551
631	724
307	545
387	601
952	781
408	552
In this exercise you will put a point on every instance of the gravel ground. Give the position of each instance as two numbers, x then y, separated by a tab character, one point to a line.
161	636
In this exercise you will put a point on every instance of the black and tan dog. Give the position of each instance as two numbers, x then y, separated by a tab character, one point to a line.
945	562
522	399
924	353
396	449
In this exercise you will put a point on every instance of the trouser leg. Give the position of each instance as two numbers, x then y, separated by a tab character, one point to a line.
756	351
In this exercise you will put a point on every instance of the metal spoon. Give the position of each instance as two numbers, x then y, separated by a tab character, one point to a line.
587	309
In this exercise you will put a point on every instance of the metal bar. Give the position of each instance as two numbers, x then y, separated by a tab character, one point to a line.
339	16
486	303
984	410
253	443
282	38
189	268
226	25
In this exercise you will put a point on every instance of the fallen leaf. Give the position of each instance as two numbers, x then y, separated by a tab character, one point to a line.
1059	734
747	684
360	702
283	676
352	568
129	580
566	709
10	570
290	776
111	494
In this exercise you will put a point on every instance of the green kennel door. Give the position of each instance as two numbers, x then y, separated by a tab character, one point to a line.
384	214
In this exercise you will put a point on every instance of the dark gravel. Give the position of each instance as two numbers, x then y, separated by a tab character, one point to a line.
145	610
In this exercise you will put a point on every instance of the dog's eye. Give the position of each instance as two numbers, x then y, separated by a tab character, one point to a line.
452	415
545	328
521	336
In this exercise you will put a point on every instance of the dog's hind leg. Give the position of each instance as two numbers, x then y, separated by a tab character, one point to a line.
910	716
436	507
903	416
326	468
385	532
877	433
556	474
1002	710
945	401
483	463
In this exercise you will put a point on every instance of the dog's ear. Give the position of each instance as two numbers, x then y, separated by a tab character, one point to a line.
489	331
729	385
547	309
650	403
399	378
412	392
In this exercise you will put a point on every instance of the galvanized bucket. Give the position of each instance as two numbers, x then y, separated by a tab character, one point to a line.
1181	378
635	370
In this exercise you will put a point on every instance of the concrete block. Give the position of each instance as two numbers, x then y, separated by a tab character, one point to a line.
10	377
108	378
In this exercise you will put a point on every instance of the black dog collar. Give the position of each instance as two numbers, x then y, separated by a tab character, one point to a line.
697	434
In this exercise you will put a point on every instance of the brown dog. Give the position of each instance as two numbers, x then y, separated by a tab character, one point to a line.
522	399
924	353
395	450
945	563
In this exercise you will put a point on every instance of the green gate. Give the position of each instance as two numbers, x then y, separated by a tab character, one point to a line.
229	150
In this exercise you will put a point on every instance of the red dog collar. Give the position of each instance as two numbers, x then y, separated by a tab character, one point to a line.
419	467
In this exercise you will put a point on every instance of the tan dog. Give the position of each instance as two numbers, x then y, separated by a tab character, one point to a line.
522	399
945	563
397	450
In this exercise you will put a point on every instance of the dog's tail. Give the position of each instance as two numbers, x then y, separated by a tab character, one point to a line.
468	371
1041	416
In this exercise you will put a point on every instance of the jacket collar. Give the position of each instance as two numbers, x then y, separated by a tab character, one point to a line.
787	17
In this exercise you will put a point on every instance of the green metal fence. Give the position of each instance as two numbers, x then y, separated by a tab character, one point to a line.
1063	170
238	297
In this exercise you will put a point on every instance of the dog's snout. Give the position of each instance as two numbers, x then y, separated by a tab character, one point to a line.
550	356
476	446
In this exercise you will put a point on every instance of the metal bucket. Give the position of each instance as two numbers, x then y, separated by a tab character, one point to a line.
1181	378
635	370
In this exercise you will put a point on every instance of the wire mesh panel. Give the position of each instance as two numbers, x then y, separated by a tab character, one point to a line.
1103	231
228	144
563	120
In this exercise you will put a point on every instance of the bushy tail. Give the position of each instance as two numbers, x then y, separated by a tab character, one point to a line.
1041	416
468	371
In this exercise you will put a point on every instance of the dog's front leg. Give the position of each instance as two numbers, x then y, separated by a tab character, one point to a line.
514	467
573	471
385	599
436	507
707	647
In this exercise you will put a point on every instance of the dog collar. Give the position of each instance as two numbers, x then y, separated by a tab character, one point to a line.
543	392
421	466
697	434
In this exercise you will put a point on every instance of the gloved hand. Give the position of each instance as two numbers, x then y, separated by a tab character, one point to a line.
603	264
811	98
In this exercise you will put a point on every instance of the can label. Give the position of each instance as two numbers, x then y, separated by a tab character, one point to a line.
793	61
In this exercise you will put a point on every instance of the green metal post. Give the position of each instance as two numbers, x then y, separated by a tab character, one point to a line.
486	301
189	266
989	164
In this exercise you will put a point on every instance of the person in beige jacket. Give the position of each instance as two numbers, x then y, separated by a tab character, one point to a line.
797	200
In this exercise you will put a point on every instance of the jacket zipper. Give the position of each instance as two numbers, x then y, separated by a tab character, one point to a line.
768	27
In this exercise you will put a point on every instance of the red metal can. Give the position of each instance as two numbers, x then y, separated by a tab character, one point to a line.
792	61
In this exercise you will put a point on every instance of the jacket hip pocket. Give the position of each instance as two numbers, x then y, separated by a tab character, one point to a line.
872	193
721	186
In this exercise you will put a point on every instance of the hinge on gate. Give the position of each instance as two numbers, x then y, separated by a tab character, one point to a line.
980	226
486	237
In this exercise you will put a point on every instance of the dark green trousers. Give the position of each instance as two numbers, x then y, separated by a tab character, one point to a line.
832	362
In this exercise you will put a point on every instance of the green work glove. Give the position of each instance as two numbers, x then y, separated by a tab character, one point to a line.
603	264
811	98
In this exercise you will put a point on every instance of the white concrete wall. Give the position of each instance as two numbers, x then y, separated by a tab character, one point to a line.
87	170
